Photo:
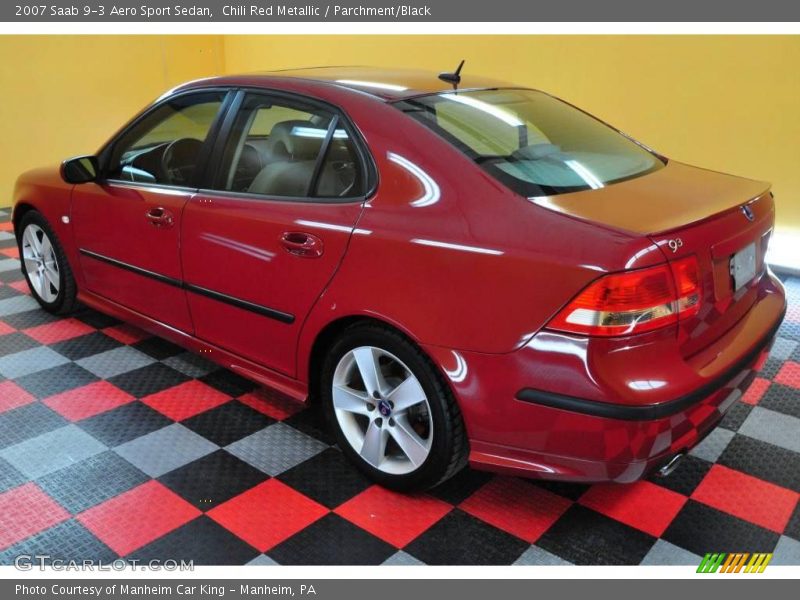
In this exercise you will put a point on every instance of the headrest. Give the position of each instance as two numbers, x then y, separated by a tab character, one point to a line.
302	139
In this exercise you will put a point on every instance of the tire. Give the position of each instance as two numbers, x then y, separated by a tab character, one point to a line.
48	264
396	440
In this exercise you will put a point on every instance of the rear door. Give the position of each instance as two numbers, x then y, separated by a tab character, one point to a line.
266	235
128	224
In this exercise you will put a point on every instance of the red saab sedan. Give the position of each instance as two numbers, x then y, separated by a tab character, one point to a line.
459	270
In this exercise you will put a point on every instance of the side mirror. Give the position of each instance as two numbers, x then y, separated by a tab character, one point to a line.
81	169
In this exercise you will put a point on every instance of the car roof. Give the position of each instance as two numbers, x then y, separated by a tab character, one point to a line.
385	84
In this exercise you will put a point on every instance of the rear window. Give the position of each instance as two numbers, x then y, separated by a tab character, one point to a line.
532	142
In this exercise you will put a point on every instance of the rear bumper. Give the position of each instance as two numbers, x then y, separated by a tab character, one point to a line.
643	402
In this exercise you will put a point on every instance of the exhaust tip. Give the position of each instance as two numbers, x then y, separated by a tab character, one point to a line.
671	465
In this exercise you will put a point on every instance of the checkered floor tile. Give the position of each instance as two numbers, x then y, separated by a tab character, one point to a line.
114	443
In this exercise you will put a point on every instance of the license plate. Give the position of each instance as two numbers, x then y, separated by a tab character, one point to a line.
743	266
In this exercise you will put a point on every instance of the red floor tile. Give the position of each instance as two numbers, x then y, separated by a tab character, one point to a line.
25	511
126	334
4	329
87	401
643	505
395	518
58	331
789	374
271	404
6	226
756	391
746	497
135	518
12	252
516	506
267	514
186	400
13	396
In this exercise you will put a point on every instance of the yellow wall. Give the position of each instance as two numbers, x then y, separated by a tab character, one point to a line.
65	95
730	103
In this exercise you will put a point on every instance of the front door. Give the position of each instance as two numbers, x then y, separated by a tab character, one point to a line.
128	224
259	247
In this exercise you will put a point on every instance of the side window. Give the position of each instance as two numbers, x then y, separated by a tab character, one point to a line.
165	146
284	150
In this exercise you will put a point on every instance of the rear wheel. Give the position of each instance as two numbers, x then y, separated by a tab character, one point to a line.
392	413
45	265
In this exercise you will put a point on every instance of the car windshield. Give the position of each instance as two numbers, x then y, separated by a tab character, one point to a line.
531	142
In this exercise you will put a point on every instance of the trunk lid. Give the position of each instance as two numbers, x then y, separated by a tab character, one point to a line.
690	211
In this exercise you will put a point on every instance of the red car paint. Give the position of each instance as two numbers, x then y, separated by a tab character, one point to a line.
469	270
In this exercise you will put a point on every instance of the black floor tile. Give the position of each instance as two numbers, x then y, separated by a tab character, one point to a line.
202	541
96	319
54	381
26	422
158	348
793	526
11	343
124	424
461	539
229	383
765	461
213	479
69	541
585	537
460	487
9	476
573	491
30	318
329	478
700	529
734	418
686	477
783	399
332	541
148	380
228	423
86	345
91	481
311	421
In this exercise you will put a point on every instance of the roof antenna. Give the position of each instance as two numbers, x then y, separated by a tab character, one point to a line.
454	77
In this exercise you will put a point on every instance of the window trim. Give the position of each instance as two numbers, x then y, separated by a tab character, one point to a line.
107	151
366	160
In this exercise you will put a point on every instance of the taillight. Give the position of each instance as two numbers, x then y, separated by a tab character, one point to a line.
634	301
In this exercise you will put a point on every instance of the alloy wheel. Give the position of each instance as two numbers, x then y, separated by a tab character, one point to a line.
41	263
382	410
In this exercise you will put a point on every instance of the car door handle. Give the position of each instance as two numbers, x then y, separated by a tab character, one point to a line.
302	244
160	217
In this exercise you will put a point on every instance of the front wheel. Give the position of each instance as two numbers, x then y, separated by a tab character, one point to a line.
45	265
392	413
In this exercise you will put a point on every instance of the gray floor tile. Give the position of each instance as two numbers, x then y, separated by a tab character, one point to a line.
276	448
402	559
787	552
9	264
52	451
115	362
772	427
261	560
166	449
714	445
783	348
664	553
540	557
17	304
14	366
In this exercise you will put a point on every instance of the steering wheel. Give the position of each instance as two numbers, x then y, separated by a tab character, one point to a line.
179	160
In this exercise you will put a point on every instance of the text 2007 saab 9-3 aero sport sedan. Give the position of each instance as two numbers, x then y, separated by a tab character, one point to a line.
459	271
